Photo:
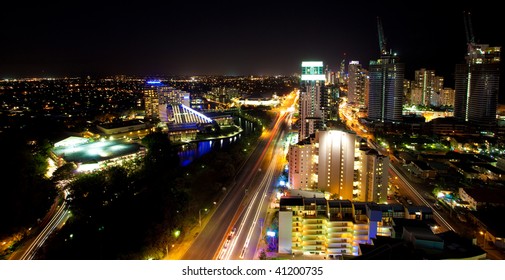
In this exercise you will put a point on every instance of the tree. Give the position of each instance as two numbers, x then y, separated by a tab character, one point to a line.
28	195
64	172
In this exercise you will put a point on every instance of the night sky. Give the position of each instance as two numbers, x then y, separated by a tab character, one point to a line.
232	38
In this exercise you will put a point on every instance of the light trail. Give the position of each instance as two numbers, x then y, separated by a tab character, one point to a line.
44	234
264	186
407	183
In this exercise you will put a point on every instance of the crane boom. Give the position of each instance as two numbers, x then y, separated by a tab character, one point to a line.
382	39
470	39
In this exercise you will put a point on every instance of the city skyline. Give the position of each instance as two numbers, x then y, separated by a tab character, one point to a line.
227	39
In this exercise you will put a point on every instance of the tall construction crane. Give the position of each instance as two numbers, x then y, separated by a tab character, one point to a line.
470	39
382	39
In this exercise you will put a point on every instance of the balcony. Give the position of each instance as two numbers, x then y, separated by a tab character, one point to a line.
339	229
311	228
360	232
314	221
312	233
339	224
347	250
314	243
314	248
337	241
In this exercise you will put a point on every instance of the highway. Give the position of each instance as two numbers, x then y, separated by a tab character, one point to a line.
252	221
244	207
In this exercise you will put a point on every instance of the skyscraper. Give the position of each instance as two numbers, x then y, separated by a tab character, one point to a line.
336	162
152	91
385	101
158	95
477	81
324	162
373	175
425	81
476	85
312	100
357	87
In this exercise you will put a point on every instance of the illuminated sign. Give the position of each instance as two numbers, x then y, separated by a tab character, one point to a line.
313	78
271	233
312	64
154	82
313	71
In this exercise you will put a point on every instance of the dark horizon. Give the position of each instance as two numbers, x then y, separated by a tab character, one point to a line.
46	40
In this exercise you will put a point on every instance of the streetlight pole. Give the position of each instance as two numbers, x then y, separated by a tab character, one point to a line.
200	216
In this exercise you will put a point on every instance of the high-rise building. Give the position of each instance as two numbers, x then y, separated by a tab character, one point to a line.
447	97
325	163
336	162
158	95
152	91
425	81
357	85
407	92
438	87
386	76
342	76
385	102
312	99
476	85
373	176
302	173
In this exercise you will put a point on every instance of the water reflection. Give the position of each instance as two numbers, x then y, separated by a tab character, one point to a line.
194	150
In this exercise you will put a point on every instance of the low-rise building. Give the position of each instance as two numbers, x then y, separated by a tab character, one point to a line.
482	197
334	228
413	240
122	127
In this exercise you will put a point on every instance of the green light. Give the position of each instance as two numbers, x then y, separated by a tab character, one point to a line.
177	233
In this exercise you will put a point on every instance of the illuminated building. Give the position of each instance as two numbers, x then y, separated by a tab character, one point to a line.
385	99
152	91
373	177
312	99
476	85
447	97
318	226
438	98
123	127
325	163
302	171
90	155
425	84
358	84
336	162
158	95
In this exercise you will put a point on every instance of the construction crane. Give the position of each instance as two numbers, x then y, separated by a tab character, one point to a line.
470	39
382	39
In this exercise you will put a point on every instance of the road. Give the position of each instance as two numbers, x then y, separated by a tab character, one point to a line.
56	219
417	195
251	224
244	206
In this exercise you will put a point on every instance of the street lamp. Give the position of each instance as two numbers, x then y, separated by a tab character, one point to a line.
483	234
200	216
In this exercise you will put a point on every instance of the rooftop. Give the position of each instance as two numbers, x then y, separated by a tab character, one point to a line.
121	124
486	195
83	150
